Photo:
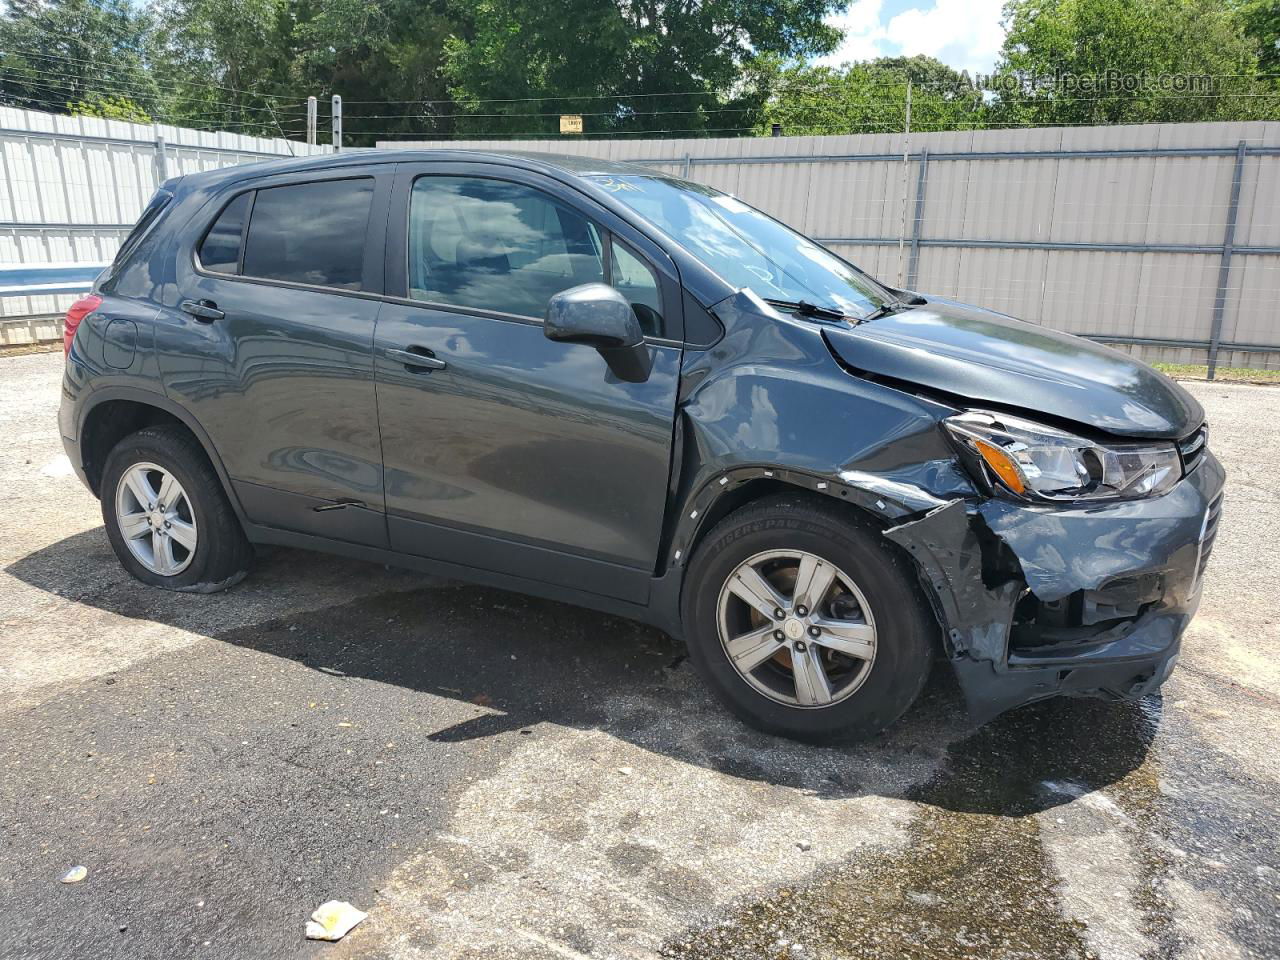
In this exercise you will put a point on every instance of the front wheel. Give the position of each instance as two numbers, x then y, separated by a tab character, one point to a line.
805	623
167	516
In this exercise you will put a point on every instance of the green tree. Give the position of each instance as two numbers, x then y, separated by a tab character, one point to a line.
386	59
253	63
227	62
110	107
55	52
871	97
1261	19
1076	44
656	66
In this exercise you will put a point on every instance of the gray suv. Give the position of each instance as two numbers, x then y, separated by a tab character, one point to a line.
608	386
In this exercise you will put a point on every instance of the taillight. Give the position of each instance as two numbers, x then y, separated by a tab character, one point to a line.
79	310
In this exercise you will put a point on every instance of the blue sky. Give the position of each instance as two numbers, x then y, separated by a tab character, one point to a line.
964	34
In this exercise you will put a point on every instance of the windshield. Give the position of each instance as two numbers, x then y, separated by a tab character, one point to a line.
746	247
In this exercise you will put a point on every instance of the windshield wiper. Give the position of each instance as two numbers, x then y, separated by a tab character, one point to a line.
805	309
892	306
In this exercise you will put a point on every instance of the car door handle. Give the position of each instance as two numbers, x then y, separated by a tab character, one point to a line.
205	310
417	359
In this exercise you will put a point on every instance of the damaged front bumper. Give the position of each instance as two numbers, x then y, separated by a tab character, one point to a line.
1040	601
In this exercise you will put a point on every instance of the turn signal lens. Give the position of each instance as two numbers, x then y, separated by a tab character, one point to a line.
1001	465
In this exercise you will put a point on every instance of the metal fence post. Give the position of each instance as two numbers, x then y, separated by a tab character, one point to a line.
336	123
162	161
906	157
922	178
311	121
1224	270
688	165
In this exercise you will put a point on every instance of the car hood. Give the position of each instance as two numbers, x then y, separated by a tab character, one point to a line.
988	358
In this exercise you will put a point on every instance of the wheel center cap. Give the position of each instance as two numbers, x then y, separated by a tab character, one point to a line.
793	628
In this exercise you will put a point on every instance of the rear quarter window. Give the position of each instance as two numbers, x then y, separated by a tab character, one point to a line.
149	217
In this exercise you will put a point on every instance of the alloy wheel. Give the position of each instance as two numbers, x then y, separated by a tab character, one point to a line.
155	519
797	628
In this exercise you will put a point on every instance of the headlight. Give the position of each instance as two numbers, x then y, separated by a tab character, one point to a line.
1037	462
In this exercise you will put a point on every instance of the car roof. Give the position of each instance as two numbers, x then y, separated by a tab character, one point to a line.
576	166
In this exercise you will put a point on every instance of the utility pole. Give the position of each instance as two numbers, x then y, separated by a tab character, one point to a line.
906	160
337	123
311	121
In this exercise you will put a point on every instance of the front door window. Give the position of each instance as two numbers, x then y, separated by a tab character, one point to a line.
496	246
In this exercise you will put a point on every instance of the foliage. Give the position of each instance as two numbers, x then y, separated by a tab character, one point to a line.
222	60
70	51
1090	40
871	98
439	68
390	51
1261	20
663	66
109	107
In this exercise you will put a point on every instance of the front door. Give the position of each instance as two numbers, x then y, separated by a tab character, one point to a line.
504	450
270	347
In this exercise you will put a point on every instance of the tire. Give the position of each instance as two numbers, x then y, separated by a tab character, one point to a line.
221	555
869	691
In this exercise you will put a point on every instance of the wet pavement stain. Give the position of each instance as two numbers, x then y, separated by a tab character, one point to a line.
974	878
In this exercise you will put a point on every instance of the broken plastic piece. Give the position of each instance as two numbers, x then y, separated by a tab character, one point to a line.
333	920
945	546
75	874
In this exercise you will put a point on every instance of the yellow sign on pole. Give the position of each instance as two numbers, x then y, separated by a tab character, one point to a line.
570	123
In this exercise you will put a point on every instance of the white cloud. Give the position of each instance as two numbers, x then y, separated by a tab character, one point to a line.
864	34
965	34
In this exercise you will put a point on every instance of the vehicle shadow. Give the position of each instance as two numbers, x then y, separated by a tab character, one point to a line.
528	661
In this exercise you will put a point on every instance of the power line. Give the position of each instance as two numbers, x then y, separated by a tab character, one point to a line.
799	129
90	86
252	93
957	85
208	126
810	101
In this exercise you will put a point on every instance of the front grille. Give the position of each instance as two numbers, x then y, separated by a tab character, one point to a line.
1192	449
1207	534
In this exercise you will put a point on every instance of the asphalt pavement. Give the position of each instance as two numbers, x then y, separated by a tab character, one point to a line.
494	776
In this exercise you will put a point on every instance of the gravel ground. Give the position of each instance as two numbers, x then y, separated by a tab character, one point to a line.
331	729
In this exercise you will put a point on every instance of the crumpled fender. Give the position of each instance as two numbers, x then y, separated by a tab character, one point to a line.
946	547
1058	550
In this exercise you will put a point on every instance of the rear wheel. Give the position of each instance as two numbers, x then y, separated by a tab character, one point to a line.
167	516
805	623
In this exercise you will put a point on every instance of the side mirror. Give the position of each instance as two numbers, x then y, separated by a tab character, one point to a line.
599	316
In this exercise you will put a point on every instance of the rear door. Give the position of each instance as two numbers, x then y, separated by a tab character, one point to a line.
504	450
271	346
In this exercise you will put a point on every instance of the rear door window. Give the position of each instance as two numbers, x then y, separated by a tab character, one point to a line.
496	246
311	233
220	251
